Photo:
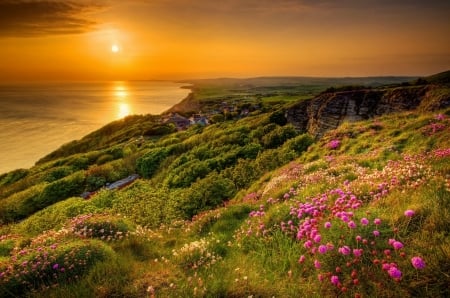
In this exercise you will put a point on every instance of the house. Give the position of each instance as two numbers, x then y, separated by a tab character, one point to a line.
180	122
199	119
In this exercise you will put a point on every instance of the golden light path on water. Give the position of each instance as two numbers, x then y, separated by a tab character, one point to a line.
122	99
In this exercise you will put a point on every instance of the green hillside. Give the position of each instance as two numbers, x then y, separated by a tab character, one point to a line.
246	206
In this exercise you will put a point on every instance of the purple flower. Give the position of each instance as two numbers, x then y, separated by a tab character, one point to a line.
417	262
351	224
302	259
307	244
409	213
394	272
334	280
377	221
385	266
55	267
376	233
364	221
327	225
323	249
397	245
357	252
317	264
317	238
345	250
334	144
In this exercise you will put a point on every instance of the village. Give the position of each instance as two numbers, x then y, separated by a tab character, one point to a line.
221	113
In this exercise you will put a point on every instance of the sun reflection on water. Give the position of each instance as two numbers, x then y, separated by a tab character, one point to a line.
121	96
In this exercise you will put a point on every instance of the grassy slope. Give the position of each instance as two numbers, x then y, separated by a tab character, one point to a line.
383	166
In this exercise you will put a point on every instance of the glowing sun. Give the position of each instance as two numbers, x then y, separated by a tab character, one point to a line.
115	48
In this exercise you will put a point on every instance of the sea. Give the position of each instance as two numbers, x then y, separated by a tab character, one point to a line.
37	118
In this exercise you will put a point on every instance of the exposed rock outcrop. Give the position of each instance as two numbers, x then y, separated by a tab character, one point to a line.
328	110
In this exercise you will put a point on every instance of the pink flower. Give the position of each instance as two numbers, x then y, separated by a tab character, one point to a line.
317	264
376	233
364	221
385	266
391	241
317	238
307	244
409	213
322	249
358	238
320	277
394	272
327	225
377	221
397	245
55	266
334	144
345	250
334	280
417	262
302	259
357	252
351	224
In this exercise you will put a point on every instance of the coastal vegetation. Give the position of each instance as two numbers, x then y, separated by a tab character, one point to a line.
247	206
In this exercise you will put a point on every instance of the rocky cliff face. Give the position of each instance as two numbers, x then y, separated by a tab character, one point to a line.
328	110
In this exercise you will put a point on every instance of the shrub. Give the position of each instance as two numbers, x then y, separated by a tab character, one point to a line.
46	262
149	163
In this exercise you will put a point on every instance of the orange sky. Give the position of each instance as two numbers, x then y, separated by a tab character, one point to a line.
179	39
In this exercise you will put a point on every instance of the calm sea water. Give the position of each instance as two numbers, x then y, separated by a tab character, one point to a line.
36	119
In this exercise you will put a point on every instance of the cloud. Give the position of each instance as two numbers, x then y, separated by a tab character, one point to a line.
30	18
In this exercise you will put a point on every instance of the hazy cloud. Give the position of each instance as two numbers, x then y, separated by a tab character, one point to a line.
28	18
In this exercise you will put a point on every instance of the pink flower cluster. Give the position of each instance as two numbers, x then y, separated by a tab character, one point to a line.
334	144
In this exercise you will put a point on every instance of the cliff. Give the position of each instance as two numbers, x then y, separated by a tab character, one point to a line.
328	110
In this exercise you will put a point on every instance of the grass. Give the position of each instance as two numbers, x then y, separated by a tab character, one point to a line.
261	240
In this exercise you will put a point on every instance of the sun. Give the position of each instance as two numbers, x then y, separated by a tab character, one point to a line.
115	48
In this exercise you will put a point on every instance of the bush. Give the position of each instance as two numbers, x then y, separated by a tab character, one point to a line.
149	163
278	136
48	263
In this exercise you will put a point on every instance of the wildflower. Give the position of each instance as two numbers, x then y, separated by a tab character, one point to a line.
345	250
322	249
358	238
317	238
385	266
364	221
351	224
317	264
440	117
377	221
409	213
320	277
417	262
397	245
334	280
334	144
55	267
308	244
357	252
302	259
394	272
327	225
376	233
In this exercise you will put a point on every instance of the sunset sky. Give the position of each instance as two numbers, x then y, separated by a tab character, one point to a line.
182	39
